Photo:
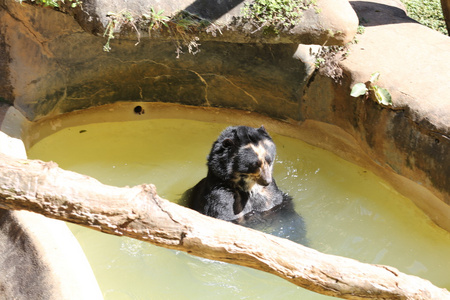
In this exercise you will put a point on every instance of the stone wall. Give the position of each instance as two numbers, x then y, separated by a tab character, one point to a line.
55	69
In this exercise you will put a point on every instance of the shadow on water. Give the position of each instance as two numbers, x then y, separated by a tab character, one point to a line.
281	221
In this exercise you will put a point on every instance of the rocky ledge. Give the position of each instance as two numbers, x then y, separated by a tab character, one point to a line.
315	22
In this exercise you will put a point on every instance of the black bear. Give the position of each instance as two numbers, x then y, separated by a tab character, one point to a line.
239	186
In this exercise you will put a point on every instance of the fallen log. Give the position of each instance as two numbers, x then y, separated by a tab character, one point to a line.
138	212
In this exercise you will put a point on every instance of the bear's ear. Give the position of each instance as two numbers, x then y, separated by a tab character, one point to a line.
227	143
262	129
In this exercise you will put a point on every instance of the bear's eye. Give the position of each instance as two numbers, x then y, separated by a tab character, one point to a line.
254	167
269	160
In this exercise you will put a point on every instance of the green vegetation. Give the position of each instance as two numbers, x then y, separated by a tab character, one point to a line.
328	57
184	27
360	30
53	3
156	20
427	12
117	20
181	28
363	89
275	15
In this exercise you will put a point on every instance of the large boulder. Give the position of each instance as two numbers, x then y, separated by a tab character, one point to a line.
411	137
326	22
39	257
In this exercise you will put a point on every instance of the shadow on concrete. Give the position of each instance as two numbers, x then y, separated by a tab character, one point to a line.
370	13
212	9
375	14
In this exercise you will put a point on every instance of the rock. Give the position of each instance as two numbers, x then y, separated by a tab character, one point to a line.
408	68
308	54
39	257
411	137
334	24
331	22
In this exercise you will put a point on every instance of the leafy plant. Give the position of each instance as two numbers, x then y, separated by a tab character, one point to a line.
275	15
153	21
327	58
52	3
360	29
182	27
382	95
156	20
117	20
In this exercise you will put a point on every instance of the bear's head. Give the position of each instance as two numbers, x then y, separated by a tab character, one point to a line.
243	156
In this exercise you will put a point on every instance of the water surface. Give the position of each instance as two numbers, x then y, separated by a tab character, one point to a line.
348	211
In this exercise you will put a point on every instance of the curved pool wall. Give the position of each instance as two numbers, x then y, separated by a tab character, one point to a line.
324	135
405	144
17	132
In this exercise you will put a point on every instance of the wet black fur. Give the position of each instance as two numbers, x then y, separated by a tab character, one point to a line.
230	192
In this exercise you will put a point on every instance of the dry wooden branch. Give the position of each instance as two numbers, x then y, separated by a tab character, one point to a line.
139	213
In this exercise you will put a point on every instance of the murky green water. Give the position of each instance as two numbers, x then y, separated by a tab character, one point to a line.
347	210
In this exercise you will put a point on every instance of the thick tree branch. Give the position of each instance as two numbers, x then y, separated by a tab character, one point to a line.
138	212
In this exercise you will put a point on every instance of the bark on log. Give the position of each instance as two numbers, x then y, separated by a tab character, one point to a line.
138	212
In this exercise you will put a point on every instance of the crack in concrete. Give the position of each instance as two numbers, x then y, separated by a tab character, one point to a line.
170	68
199	75
238	87
206	86
140	92
143	60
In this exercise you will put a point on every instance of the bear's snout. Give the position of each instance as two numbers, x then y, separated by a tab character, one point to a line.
265	176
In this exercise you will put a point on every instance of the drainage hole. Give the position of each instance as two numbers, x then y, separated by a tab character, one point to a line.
139	110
